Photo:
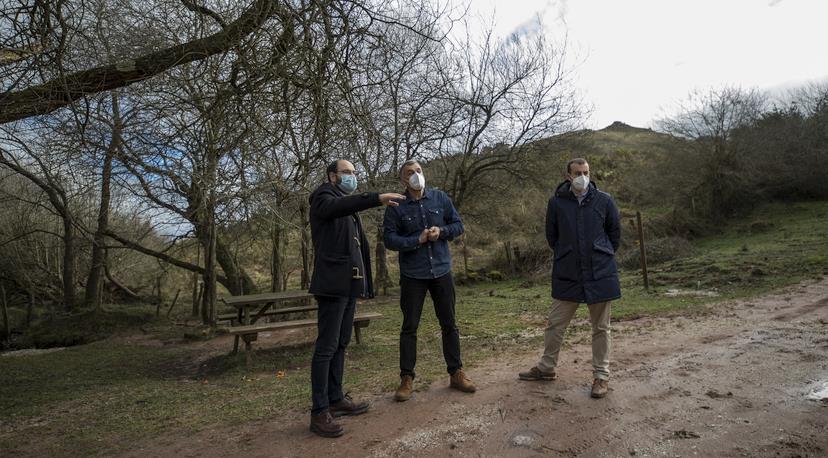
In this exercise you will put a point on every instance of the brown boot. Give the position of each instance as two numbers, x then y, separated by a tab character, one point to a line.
324	425
600	388
459	381
403	393
535	374
347	406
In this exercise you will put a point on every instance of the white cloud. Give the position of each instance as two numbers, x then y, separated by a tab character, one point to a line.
645	54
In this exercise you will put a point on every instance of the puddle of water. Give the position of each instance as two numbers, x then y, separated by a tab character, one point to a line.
819	393
524	438
690	292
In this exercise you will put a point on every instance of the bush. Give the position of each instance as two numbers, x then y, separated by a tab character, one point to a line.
757	227
658	251
82	327
478	276
467	278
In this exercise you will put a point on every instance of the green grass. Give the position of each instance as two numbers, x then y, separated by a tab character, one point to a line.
98	398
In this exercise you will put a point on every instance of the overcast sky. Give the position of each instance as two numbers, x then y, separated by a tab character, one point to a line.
641	56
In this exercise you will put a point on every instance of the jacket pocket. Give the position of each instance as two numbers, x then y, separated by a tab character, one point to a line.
565	265
410	224
333	273
435	217
335	258
603	260
562	251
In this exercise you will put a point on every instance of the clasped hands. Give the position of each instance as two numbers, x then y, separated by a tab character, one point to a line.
430	235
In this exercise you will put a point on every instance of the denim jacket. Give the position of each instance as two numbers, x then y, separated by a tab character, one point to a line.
402	226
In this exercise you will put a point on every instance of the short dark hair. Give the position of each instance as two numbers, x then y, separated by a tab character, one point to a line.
406	164
577	160
332	168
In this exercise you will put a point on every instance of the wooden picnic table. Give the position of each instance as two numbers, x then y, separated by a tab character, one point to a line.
264	305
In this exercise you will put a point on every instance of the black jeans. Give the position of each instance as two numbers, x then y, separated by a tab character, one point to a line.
335	319
412	297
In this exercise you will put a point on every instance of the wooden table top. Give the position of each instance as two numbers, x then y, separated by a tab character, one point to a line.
256	299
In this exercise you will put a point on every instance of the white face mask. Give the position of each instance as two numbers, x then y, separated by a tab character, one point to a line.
580	183
417	181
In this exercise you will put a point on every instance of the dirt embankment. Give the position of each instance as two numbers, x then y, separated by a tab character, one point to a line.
745	380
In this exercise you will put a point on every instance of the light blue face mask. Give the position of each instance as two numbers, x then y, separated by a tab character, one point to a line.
348	183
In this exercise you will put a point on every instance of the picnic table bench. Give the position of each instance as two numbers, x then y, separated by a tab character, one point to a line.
243	323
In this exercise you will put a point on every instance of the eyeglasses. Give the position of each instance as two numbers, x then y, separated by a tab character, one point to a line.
349	172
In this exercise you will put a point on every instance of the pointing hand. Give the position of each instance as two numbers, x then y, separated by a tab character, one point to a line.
390	199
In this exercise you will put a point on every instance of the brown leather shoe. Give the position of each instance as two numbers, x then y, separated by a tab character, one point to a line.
535	374
459	381
403	393
324	425
347	406
600	388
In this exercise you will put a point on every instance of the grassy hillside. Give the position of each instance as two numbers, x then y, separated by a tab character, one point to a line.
632	164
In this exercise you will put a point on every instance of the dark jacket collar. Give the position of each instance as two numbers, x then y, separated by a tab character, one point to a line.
409	198
334	188
564	190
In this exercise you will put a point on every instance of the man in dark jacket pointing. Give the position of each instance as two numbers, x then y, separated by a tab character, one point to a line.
341	274
583	229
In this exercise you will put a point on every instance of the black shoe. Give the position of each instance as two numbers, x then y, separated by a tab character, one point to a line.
324	425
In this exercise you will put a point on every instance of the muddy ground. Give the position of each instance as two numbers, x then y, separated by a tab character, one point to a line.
734	382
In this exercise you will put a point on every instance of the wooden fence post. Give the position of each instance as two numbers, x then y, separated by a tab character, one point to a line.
643	250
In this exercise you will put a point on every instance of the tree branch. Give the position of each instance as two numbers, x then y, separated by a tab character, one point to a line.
59	92
162	256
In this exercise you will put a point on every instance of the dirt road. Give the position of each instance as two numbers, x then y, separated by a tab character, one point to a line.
735	382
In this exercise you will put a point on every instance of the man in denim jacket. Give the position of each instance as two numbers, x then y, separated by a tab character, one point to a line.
420	229
583	229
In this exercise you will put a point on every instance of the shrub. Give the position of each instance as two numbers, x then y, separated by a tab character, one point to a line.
658	250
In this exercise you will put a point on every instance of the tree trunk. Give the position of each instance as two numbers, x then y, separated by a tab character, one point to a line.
195	283
6	330
305	246
383	280
208	304
93	282
68	263
158	285
239	282
208	301
118	284
30	308
235	278
277	264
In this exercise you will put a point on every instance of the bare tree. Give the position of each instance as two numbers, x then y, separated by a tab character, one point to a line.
505	94
710	119
394	101
47	162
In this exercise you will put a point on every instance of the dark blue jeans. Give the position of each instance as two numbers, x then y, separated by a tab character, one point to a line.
412	298
335	319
